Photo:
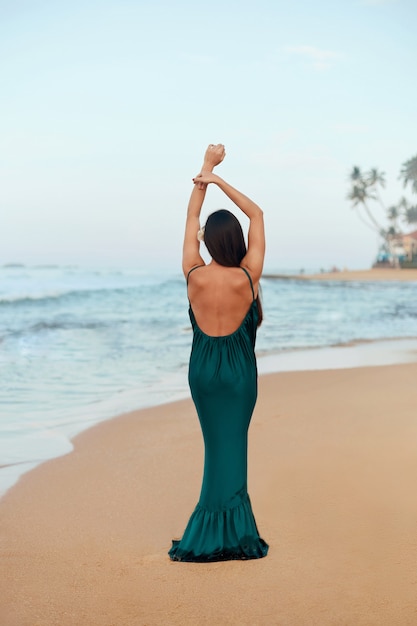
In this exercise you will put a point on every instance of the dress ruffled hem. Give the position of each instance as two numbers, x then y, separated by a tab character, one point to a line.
226	535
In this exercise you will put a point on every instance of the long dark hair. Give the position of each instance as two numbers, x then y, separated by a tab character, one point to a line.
223	236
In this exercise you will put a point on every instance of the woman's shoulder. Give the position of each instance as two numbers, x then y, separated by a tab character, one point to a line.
206	276
193	270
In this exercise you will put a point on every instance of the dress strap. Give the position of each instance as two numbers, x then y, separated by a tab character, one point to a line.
250	280
192	270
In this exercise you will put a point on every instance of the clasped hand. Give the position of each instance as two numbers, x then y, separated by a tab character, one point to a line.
214	155
204	178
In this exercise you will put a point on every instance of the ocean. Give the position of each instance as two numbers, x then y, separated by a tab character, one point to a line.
79	345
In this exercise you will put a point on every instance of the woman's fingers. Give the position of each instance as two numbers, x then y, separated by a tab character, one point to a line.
215	154
198	183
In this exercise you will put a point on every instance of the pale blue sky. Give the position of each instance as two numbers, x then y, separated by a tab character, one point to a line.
106	109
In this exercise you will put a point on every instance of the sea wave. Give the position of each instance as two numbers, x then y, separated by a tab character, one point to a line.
148	287
13	299
45	297
45	326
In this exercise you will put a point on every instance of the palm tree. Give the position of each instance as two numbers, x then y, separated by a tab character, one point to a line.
359	194
411	215
409	173
394	214
373	178
407	212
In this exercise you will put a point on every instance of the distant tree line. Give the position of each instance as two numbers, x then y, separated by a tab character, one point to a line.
364	190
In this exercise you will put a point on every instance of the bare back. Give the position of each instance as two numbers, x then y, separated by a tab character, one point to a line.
220	298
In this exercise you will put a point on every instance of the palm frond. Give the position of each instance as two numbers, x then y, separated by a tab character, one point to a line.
409	173
375	177
411	215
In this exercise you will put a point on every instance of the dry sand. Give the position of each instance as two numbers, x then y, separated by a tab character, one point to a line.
332	478
361	275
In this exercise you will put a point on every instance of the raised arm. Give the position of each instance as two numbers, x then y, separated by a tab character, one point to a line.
191	248
254	258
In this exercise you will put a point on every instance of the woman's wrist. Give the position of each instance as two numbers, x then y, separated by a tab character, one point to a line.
207	167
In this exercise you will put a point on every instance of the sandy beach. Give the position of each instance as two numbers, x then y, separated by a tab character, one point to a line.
332	470
379	274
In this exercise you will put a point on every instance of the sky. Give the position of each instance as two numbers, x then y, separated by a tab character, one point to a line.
106	108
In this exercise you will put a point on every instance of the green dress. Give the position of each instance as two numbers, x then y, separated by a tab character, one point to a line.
223	383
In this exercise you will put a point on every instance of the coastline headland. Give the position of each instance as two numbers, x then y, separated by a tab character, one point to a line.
368	275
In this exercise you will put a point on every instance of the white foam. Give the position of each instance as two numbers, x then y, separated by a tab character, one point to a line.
367	354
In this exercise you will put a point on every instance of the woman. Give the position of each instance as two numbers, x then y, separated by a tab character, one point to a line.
225	312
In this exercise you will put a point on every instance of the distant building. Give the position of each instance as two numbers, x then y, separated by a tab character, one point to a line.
409	244
399	250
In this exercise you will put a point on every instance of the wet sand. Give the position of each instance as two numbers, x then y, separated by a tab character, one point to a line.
332	475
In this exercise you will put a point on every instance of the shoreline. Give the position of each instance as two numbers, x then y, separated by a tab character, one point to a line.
369	275
331	476
360	353
145	360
